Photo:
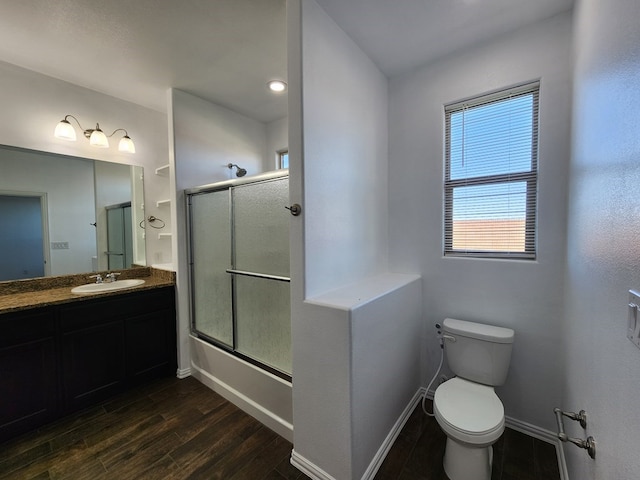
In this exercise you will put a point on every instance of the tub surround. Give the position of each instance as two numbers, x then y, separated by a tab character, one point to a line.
40	292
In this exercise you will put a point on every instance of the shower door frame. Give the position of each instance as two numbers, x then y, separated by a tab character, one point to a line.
216	187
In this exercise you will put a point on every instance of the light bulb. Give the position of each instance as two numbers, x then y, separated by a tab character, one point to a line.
277	86
98	138
65	131
126	145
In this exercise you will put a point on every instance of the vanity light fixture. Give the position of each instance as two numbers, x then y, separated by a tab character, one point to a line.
96	136
277	86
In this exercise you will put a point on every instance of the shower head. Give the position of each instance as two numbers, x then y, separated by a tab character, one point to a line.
240	172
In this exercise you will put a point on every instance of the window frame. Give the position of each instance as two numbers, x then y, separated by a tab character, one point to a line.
530	177
280	154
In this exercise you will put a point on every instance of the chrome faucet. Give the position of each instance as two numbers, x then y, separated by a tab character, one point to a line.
111	277
98	278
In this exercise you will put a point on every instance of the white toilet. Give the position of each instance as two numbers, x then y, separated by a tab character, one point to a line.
466	406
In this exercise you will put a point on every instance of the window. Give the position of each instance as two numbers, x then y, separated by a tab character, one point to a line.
283	158
491	175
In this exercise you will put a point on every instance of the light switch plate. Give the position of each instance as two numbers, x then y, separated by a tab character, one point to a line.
633	319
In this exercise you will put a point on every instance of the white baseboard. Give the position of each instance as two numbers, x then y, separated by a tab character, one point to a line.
310	469
183	373
531	430
393	435
316	473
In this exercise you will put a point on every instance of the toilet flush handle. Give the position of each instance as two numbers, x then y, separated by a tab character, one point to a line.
449	337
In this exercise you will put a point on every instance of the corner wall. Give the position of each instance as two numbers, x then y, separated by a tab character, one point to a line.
523	295
345	157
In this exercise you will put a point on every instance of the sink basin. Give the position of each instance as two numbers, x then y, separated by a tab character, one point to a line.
91	288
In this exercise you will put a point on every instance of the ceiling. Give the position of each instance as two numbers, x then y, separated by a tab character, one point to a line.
400	35
225	51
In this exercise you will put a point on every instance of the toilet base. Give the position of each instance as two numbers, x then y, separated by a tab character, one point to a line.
467	463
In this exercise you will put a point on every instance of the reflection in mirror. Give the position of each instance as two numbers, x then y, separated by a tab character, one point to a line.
54	215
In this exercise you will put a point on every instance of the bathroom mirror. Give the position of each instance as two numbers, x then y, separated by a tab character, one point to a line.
62	215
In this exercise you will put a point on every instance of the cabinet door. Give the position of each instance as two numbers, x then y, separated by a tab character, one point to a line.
28	374
150	346
29	391
93	363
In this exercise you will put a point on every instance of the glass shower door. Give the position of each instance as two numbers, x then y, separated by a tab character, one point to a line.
261	272
210	258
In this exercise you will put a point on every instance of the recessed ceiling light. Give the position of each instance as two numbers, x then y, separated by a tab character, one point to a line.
277	86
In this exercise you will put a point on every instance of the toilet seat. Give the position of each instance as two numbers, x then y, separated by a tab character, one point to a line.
469	412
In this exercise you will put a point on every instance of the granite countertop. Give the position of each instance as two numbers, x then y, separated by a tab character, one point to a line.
40	292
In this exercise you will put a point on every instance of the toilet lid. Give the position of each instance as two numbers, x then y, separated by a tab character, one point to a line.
469	407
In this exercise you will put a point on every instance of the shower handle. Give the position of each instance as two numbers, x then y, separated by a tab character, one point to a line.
295	209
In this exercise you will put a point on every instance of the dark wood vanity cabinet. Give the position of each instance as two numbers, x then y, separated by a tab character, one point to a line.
59	359
111	343
93	363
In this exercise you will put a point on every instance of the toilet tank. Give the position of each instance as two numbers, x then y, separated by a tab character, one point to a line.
478	352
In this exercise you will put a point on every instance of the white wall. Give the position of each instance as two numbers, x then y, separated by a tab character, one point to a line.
34	104
345	157
602	367
523	295
208	137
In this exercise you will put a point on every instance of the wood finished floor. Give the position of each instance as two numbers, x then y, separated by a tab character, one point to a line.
419	449
179	429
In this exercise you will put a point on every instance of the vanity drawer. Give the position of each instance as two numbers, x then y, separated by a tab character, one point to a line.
92	312
20	327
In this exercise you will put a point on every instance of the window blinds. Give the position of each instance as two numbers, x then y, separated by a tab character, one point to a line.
491	174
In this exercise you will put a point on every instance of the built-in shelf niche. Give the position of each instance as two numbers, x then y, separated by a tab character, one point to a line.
163	171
